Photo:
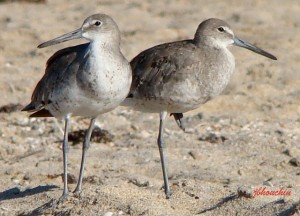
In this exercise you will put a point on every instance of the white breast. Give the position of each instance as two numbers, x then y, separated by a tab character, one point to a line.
101	84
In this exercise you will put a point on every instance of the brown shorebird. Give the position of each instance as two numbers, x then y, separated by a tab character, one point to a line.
180	76
83	80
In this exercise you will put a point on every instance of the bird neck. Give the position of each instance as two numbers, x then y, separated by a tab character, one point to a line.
209	42
105	46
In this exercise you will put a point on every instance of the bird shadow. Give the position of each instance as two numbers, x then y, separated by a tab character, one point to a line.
15	193
292	210
42	210
219	204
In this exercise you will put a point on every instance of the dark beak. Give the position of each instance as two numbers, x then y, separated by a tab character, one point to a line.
76	34
245	44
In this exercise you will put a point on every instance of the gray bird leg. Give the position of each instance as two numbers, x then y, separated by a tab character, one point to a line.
65	159
85	147
161	147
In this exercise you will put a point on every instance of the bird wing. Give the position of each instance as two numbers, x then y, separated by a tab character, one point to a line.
154	67
57	68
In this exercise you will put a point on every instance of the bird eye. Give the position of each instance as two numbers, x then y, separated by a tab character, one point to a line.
97	23
221	29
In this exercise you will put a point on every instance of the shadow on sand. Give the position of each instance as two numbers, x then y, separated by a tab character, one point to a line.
15	193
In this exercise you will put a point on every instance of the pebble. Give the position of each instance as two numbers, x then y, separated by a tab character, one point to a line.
292	152
195	155
268	183
295	162
245	192
108	214
16	181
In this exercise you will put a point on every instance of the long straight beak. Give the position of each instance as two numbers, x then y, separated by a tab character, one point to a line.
245	44
76	34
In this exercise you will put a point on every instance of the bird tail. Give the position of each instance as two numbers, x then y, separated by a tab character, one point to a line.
37	109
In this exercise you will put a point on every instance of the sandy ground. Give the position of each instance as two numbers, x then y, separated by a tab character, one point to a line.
246	139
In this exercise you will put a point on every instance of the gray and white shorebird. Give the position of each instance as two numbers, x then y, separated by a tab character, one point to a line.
179	76
84	80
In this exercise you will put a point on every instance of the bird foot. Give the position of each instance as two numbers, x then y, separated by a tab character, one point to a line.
62	199
77	193
168	194
167	191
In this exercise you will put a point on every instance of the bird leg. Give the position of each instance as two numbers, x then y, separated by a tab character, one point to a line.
65	159
85	147
161	146
178	118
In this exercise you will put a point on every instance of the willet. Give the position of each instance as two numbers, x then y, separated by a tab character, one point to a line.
83	80
180	76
